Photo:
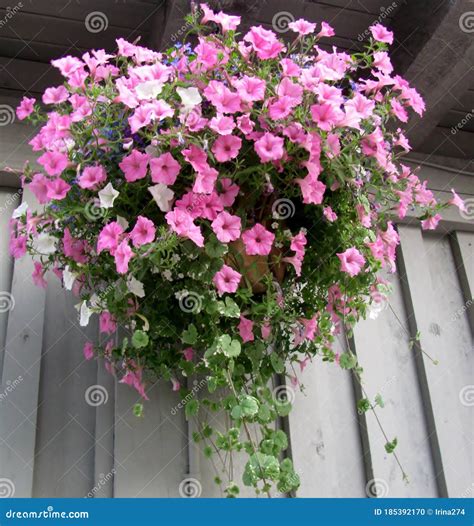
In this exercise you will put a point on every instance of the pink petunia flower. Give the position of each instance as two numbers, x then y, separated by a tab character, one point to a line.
134	379
205	181
264	42
226	147
39	187
229	191
88	350
246	329
302	27
25	108
92	176
226	227
182	223
38	275
143	232
258	240
329	214
18	246
57	189
352	261
53	162
226	280
457	201
326	116
135	165
381	33
250	89
107	323
123	254
55	95
326	30
312	190
109	237
431	223
269	147
222	124
164	169
188	354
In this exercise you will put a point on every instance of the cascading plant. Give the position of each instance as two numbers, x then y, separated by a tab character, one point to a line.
229	206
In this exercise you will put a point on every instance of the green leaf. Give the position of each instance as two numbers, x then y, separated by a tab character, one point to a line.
390	446
214	248
190	335
348	360
229	308
207	451
280	439
191	408
231	348
363	405
140	339
277	363
249	405
236	412
138	410
379	401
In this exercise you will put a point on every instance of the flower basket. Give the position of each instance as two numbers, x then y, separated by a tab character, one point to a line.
231	205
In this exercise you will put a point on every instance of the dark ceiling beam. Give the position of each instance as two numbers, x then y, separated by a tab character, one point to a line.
435	55
172	27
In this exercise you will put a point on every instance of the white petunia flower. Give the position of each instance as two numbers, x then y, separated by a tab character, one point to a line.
162	195
85	313
190	97
45	244
122	222
20	210
135	287
107	196
149	89
68	278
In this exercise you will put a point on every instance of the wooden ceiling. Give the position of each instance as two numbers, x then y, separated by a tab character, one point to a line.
434	47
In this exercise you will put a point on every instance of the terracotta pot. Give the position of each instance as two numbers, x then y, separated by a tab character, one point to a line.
255	268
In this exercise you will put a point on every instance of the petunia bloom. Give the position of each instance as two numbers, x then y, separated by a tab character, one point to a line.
143	232
135	165
226	227
227	279
352	261
164	169
246	329
258	240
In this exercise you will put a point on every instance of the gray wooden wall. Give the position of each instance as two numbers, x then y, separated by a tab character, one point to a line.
53	443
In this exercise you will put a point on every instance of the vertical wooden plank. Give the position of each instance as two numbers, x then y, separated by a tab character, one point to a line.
462	245
104	467
21	367
324	434
433	295
383	350
64	456
150	452
9	199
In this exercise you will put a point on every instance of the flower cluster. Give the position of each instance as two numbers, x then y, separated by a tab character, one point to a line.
226	208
